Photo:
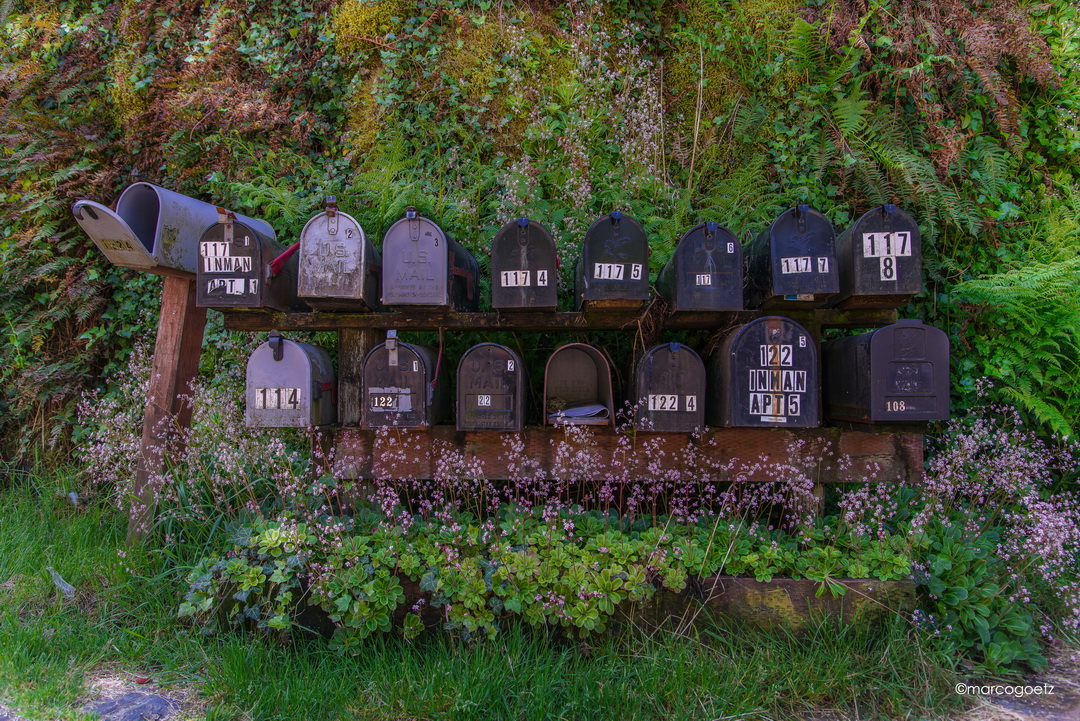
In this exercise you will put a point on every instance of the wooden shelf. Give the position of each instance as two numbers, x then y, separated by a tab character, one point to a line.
540	321
886	455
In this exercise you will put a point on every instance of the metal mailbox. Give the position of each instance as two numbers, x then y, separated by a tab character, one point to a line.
524	267
339	266
880	260
765	374
613	270
290	385
239	267
895	374
577	387
490	389
792	263
670	381
705	272
424	266
152	229
404	385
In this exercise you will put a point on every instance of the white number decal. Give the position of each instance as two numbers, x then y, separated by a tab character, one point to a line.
541	278
608	271
416	366
515	278
483	401
703	279
691	403
635	271
888	267
823	265
509	365
789	266
663	403
895	405
272	399
773	354
731	247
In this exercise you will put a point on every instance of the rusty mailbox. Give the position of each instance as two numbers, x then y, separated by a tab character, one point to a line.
524	267
705	272
792	263
895	374
765	374
424	266
490	389
405	386
242	267
290	385
577	387
339	266
152	229
880	260
670	382
613	270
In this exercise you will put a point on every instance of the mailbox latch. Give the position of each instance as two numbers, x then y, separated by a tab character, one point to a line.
392	348
227	217
277	344
331	215
414	223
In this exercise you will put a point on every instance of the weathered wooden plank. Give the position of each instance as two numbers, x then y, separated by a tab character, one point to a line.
176	363
728	454
353	346
542	321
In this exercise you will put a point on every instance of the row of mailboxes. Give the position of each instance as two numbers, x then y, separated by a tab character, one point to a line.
764	374
796	262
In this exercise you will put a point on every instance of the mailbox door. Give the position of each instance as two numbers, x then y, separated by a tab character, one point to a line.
793	263
337	264
415	260
578	376
881	255
279	393
671	389
397	390
113	236
615	260
490	389
524	267
771	377
909	370
231	271
706	271
846	378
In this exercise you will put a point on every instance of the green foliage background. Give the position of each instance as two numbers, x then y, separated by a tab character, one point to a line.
963	112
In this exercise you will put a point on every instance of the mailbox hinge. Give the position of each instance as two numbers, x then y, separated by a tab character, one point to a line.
331	215
392	348
277	344
414	223
228	218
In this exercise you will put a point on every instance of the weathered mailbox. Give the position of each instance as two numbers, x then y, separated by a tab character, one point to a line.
339	266
613	270
577	387
404	385
490	389
152	229
895	374
241	267
764	374
705	272
792	263
880	260
524	267
670	382
290	385
424	266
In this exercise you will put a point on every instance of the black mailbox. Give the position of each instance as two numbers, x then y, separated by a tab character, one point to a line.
792	263
705	271
404	385
423	266
613	270
670	389
290	385
339	266
880	260
765	374
524	267
490	389
895	374
242	267
577	387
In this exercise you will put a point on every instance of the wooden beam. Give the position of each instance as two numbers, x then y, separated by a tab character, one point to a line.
353	346
176	364
758	454
541	321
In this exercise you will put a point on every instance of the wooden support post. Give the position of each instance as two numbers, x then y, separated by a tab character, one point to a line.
353	345
176	363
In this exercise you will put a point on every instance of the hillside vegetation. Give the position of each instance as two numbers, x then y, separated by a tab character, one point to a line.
962	112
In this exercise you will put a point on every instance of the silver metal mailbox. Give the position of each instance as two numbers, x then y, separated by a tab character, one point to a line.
153	229
339	266
422	265
290	385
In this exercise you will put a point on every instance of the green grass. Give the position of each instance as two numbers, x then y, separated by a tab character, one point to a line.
129	623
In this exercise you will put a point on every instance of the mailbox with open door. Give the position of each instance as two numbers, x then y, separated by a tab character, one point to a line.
577	387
